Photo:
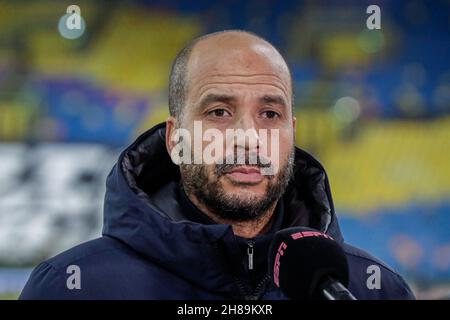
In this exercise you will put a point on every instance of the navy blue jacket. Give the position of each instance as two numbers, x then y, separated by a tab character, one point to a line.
150	250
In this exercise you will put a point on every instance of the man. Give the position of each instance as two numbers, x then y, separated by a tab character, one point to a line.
200	230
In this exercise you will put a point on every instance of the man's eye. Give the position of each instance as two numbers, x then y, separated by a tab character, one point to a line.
219	113
270	114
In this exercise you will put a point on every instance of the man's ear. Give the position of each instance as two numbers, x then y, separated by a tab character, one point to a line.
170	127
294	127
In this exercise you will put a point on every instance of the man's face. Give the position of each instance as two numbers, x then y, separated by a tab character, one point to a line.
245	88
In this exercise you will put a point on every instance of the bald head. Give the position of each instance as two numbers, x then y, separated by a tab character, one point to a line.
236	85
234	54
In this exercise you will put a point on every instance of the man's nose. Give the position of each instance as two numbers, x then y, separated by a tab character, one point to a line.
250	139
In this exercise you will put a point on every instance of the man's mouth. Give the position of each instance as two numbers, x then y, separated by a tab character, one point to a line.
245	174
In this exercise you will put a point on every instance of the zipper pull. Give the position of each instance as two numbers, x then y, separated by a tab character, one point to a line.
250	255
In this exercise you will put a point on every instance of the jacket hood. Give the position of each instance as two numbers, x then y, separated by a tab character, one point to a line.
141	211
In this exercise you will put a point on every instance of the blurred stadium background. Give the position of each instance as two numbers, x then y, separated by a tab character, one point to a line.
372	105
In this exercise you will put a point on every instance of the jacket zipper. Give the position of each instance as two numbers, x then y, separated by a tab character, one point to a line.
250	249
257	293
261	287
243	291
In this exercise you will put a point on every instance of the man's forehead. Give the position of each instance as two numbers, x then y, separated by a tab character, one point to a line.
236	57
231	83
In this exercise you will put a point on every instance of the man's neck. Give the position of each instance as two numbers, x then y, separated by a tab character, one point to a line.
244	229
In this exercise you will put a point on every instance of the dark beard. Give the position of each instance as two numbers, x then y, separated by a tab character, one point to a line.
194	179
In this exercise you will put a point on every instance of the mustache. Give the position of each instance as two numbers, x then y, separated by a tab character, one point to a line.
230	164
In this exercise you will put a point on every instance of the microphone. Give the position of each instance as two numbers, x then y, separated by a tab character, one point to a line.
308	264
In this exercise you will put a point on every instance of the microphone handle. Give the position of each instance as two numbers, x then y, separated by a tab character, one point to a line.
334	290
